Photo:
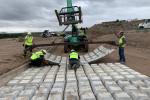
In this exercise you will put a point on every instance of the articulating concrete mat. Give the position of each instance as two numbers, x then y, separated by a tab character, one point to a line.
90	57
112	81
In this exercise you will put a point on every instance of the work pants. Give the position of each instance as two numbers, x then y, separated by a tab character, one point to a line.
121	54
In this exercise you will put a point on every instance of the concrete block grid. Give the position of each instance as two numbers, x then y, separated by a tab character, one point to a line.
111	81
97	54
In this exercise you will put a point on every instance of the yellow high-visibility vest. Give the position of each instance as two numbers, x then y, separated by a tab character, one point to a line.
73	55
36	55
28	40
121	42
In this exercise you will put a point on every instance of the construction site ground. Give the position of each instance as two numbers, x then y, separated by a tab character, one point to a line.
137	51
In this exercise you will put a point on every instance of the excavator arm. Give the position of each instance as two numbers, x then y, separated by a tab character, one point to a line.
69	15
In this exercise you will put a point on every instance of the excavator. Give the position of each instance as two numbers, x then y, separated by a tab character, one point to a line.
77	38
71	16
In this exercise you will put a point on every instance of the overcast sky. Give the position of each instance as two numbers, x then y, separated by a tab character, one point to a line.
38	15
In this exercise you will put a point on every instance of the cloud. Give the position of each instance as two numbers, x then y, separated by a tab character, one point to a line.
24	15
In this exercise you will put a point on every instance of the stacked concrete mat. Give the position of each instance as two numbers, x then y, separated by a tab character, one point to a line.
90	57
111	81
56	59
95	55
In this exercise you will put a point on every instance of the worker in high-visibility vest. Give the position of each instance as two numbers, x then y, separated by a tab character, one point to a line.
28	43
122	44
74	58
37	58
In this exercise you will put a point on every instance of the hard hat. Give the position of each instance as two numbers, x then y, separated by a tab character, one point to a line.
44	51
72	50
29	33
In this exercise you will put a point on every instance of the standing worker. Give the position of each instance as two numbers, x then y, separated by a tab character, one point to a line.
74	59
37	58
122	43
28	43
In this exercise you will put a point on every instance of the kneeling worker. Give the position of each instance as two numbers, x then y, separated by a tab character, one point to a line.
37	58
74	59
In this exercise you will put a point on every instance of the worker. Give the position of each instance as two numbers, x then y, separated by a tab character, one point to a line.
82	34
28	43
74	59
122	43
37	58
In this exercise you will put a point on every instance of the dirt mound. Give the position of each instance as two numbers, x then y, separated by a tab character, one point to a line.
112	27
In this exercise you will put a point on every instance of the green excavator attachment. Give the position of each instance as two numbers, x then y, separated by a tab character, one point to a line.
69	15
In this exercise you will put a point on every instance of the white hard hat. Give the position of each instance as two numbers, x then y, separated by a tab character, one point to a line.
29	33
44	51
72	50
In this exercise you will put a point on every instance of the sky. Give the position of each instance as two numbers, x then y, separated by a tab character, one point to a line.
38	15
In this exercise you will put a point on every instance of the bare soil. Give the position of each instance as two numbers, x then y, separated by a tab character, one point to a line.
11	53
137	51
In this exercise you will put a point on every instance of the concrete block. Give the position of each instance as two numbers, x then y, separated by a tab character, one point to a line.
113	73
122	96
32	86
7	98
114	89
138	83
55	96
130	88
145	89
20	88
5	89
49	80
118	77
28	77
87	96
71	75
98	89
59	85
71	84
124	73
73	79
23	98
84	89
46	85
18	78
95	83
104	96
71	90
119	70
106	78
24	81
57	90
39	77
94	78
31	74
123	83
108	70
71	96
13	82
60	80
98	70
102	74
43	90
110	83
84	83
82	79
139	96
143	77
39	97
13	94
130	77
36	81
29	93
